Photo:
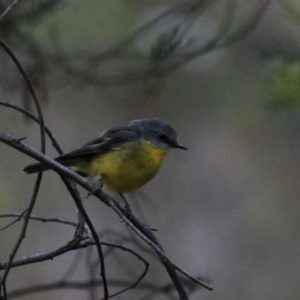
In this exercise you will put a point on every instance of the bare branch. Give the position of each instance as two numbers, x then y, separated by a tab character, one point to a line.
44	220
31	89
8	9
138	227
82	215
39	177
20	216
68	185
174	60
80	285
24	228
82	244
34	118
86	218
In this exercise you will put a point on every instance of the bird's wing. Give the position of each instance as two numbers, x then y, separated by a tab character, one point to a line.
106	135
110	140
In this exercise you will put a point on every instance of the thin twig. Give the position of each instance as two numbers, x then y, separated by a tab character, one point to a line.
83	244
139	279
44	220
24	228
82	211
141	74
31	89
150	71
146	234
31	259
20	216
9	8
80	285
34	118
255	19
28	81
71	189
135	225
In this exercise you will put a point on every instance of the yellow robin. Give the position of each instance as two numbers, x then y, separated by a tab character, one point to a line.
126	157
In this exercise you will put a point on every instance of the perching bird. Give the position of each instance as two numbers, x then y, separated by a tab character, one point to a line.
126	157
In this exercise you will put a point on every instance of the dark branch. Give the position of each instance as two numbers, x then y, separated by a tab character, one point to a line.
138	227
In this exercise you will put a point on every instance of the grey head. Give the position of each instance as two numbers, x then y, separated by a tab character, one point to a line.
157	131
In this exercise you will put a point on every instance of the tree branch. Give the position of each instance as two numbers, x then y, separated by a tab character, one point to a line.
138	227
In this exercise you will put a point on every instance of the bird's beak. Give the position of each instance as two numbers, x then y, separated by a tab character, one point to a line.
179	146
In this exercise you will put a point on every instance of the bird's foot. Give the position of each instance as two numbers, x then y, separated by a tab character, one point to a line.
127	206
96	190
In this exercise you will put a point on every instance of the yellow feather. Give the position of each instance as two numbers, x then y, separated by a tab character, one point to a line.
129	168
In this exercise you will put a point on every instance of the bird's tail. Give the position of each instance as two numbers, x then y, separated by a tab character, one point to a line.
39	167
35	168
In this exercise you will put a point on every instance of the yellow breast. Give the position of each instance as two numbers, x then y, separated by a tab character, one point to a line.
128	168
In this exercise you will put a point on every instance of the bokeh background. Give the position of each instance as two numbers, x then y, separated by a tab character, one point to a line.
228	209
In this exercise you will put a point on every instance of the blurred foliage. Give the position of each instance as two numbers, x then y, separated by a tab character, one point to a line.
291	10
18	31
166	44
285	81
286	86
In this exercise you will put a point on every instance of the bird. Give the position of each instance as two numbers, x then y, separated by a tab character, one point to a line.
126	157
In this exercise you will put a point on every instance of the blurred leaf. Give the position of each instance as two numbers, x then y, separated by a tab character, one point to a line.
286	86
166	44
292	10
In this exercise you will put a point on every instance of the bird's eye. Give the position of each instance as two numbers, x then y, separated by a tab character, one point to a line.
163	137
